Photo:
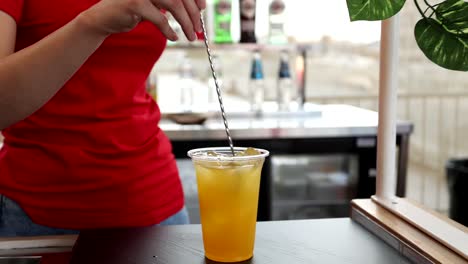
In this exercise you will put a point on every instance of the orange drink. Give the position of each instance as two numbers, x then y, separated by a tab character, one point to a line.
228	190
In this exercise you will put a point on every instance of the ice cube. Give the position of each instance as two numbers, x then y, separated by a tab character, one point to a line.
212	153
248	152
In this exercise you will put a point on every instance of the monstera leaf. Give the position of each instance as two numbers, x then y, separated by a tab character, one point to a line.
373	9
444	39
453	14
442	47
442	35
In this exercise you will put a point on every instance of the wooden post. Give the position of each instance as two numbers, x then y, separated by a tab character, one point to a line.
386	140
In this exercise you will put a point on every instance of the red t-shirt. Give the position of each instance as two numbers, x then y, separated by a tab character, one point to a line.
93	156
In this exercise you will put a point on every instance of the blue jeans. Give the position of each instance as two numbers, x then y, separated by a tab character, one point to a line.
15	222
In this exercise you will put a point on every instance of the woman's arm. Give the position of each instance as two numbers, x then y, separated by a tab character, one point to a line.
30	77
8	32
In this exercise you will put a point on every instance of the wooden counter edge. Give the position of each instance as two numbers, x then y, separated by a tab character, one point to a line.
411	242
437	226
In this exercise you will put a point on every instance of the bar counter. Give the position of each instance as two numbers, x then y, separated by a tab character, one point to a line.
318	121
317	130
308	241
339	240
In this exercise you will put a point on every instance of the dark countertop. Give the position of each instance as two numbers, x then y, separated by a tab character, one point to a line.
286	242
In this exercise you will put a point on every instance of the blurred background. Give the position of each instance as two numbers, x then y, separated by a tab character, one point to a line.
341	62
306	53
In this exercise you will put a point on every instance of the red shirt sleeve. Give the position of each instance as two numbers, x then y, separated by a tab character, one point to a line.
12	7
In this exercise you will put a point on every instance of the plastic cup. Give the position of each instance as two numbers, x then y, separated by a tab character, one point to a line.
228	190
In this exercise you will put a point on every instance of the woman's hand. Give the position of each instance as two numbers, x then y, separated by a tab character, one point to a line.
24	87
115	16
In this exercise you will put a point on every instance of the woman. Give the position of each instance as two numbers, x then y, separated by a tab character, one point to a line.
82	145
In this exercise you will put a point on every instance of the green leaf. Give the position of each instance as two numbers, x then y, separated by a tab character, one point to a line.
444	48
373	9
453	14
